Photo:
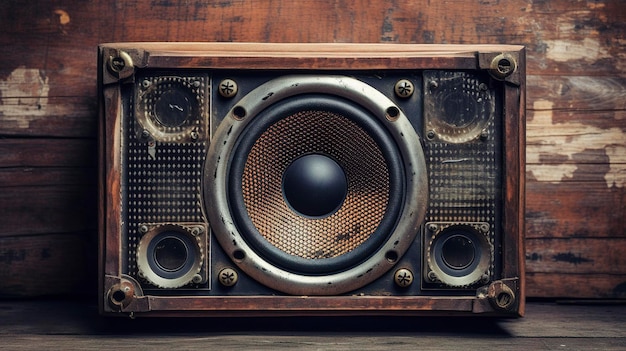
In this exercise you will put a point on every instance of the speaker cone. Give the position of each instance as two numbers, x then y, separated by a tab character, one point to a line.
316	181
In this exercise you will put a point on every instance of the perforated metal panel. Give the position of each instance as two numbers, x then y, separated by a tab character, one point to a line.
463	159
163	164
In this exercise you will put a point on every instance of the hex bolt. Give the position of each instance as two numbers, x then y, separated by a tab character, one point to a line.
431	227
146	83
228	88
143	229
228	276
430	135
404	88
403	277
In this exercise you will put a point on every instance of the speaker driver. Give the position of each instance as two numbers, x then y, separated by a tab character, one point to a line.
321	187
170	256
459	254
170	108
314	189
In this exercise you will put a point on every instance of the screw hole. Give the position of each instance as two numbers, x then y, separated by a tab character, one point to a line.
118	296
239	112
391	256
504	66
239	255
393	113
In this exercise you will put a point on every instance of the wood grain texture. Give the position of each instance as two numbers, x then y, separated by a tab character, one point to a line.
576	134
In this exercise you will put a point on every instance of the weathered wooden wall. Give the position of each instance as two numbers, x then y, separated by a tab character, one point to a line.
576	171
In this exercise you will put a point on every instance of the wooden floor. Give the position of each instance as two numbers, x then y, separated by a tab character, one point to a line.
64	325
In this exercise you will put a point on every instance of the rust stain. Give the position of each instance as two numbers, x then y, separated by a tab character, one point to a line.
64	17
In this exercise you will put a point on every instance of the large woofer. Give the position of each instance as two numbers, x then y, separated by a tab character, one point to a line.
315	185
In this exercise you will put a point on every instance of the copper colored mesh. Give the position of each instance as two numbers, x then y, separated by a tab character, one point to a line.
352	147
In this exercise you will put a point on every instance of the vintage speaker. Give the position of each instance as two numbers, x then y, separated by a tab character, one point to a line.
242	179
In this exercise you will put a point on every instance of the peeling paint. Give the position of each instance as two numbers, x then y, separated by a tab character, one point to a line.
567	50
23	94
545	137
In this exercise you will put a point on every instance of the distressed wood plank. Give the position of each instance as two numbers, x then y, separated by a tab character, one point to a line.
45	265
18	152
47	209
576	93
583	210
576	255
583	286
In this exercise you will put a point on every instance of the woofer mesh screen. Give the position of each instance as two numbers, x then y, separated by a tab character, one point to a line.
333	135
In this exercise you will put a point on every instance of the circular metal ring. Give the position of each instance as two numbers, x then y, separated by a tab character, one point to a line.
224	223
155	259
454	269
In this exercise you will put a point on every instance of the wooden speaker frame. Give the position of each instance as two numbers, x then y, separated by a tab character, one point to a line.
118	63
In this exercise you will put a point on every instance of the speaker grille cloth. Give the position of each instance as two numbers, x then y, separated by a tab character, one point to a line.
333	135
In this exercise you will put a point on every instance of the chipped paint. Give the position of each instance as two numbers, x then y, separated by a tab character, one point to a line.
566	50
23	94
545	137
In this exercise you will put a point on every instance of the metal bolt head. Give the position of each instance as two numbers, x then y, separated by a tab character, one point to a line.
432	276
197	279
228	88
431	227
403	277
503	66
431	135
404	88
120	65
194	135
143	229
228	276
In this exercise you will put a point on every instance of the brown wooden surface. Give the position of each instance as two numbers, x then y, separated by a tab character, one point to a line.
75	325
576	130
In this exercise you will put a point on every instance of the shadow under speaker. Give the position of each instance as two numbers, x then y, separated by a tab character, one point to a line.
311	179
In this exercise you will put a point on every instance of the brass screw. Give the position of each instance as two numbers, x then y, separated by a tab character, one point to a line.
228	88
404	88
228	277
503	66
403	277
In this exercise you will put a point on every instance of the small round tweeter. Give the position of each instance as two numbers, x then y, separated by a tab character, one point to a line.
319	187
459	255
170	108
458	106
169	256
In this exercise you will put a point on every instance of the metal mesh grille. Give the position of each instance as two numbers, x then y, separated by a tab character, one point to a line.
330	134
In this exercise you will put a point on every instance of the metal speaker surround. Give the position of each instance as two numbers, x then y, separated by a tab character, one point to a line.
257	179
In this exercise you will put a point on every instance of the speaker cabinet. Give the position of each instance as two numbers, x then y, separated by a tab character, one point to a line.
242	179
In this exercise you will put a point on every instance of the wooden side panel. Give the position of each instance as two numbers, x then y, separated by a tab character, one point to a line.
576	137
